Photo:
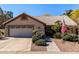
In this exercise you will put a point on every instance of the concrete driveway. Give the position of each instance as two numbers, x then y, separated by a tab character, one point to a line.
16	44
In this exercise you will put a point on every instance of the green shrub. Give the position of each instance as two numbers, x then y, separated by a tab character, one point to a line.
70	37
57	26
34	38
67	37
34	32
40	42
37	35
74	36
57	35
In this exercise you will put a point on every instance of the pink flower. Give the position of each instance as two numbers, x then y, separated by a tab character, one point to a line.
63	27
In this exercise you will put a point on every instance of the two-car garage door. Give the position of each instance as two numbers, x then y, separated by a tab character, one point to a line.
21	32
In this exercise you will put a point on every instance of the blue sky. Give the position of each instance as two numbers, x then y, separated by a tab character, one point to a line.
38	9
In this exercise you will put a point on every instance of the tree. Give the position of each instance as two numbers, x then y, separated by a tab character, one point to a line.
57	26
9	14
1	11
67	12
74	15
4	16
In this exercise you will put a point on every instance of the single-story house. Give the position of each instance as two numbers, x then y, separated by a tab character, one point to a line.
23	24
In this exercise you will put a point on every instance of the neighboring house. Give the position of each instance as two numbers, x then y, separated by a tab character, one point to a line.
23	25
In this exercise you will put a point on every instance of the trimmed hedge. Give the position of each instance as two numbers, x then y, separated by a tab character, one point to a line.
70	37
41	42
34	38
67	37
38	38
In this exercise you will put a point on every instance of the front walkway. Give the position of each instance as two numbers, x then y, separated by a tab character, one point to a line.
52	47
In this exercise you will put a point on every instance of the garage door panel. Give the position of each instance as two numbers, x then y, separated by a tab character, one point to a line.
21	32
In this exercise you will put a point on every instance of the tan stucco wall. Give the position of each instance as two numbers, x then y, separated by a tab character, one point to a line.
30	21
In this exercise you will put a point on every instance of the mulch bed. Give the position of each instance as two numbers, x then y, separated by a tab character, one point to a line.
67	46
38	48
